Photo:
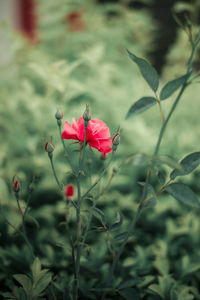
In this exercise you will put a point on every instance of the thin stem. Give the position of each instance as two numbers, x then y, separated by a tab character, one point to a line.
93	206
78	223
67	153
100	177
54	172
23	226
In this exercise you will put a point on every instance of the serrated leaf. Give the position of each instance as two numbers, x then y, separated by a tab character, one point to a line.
129	294
118	223
25	281
42	284
183	193
36	269
172	86
141	105
121	236
189	163
148	72
129	283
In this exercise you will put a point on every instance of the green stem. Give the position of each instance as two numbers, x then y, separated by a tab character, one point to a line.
54	172
100	177
144	193
67	153
78	223
94	205
23	226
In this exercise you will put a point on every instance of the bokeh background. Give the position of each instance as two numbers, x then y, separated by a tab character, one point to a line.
64	54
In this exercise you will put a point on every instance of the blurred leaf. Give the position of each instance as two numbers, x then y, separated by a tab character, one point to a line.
137	159
36	269
129	294
169	161
25	281
172	86
148	72
156	289
118	223
42	284
189	163
141	105
129	283
183	193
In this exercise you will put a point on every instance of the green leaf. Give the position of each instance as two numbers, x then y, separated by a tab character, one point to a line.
129	283
172	86
117	224
25	281
183	193
35	269
189	163
141	105
148	72
129	294
42	284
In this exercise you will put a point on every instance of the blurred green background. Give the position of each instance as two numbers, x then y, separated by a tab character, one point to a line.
78	56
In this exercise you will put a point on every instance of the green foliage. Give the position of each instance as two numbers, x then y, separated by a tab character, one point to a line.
172	86
183	193
141	105
148	72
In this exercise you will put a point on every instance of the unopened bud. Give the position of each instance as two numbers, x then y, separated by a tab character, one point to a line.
115	141
69	191
49	147
59	114
86	116
16	184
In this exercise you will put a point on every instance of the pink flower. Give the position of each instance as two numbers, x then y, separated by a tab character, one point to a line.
98	134
69	191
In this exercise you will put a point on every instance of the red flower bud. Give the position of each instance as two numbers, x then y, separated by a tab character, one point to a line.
16	184
69	191
115	141
49	147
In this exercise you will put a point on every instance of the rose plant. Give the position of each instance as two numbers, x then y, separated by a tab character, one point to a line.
82	197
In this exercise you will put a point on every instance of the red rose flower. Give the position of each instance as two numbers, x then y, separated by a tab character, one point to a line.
98	134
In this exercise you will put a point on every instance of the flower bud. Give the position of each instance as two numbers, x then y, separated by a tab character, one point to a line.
86	116
69	191
49	147
115	141
16	185
59	114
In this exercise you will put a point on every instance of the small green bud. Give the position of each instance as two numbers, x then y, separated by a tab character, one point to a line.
49	147
86	116
59	114
115	141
